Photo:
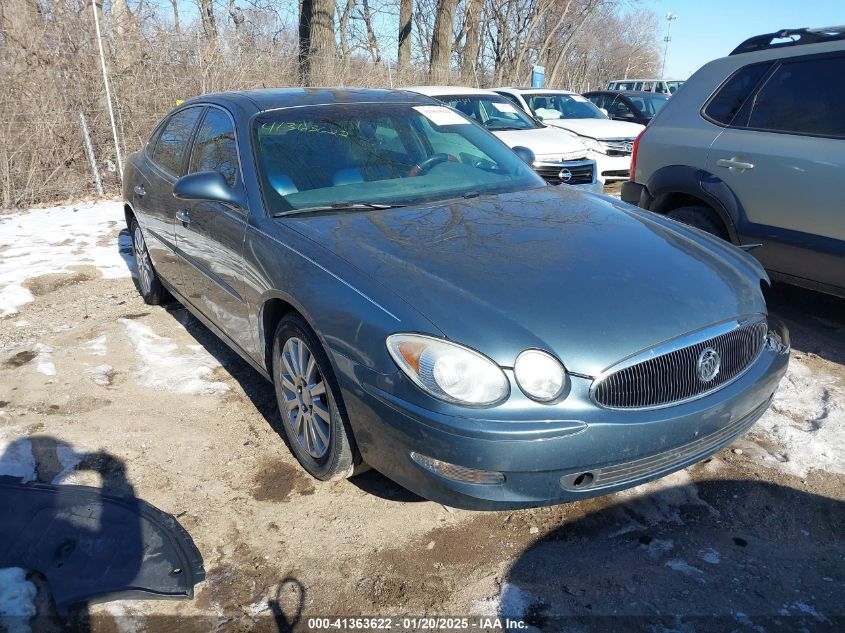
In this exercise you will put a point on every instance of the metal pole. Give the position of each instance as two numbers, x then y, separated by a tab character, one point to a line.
108	90
667	39
86	135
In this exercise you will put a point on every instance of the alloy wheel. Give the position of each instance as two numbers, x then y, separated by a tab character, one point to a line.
142	261
305	398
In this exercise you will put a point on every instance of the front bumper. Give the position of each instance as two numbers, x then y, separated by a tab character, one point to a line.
612	168
543	460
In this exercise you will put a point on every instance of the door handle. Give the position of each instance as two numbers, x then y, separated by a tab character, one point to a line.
733	163
140	191
184	217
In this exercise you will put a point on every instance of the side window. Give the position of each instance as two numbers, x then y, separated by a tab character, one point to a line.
803	97
648	86
215	148
172	143
512	99
729	99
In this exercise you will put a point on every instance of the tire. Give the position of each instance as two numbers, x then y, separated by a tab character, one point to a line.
314	420
149	285
701	218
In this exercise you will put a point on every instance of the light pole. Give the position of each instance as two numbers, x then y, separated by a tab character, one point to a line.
669	18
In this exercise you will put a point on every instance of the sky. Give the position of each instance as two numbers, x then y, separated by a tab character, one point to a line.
707	29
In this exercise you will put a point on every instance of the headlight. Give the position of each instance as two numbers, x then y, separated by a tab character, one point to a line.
448	371
592	144
540	375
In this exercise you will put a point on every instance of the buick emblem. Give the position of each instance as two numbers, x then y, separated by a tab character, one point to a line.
629	147
707	366
565	175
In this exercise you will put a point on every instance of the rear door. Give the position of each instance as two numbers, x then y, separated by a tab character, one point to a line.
784	158
210	235
152	197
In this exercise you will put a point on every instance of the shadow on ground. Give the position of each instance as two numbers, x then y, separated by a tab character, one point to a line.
719	556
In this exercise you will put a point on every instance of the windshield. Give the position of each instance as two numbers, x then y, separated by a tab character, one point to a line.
563	106
494	113
649	105
348	154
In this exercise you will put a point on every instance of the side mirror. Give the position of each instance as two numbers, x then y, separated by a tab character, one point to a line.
207	185
604	112
525	154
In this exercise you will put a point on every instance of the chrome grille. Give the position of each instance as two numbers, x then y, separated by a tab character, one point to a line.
668	375
581	172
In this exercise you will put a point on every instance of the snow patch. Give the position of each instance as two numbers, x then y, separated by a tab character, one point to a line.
97	346
49	241
166	369
676	564
657	547
660	501
807	422
101	374
44	359
16	459
710	555
17	600
512	602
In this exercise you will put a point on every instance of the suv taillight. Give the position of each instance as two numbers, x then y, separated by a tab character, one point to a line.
634	155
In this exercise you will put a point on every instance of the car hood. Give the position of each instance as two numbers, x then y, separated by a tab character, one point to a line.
586	277
546	142
598	128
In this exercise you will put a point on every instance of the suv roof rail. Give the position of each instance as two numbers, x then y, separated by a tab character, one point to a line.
798	37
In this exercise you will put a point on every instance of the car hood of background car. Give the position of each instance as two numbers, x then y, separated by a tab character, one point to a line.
551	268
598	128
546	142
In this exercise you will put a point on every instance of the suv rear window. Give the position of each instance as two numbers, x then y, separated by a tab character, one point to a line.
729	99
804	97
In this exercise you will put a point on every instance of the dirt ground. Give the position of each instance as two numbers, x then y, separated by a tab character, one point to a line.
751	540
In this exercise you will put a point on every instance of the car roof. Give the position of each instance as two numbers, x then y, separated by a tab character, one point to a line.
545	91
620	81
273	98
446	91
627	93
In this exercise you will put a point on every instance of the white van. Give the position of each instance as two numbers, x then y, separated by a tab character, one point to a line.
665	86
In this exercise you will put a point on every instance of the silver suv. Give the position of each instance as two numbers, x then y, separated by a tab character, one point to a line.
753	150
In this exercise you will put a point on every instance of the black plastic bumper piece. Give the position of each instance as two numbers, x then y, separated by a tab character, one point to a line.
91	545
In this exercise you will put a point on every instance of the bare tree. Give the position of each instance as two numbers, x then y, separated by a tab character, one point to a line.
472	34
406	9
441	44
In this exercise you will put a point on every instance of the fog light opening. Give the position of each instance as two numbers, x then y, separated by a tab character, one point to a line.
458	473
582	480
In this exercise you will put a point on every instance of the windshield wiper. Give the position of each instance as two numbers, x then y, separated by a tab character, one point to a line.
338	206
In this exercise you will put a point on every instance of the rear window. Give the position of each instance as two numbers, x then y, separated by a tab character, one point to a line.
729	99
803	97
172	143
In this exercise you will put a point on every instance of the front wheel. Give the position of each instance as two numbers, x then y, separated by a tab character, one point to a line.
310	403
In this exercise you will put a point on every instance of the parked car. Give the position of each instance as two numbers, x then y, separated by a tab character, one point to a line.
662	86
610	142
634	107
753	150
559	157
425	303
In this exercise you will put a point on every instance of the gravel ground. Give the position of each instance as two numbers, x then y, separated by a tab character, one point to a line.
750	540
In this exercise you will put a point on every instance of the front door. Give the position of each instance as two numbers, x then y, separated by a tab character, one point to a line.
210	235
